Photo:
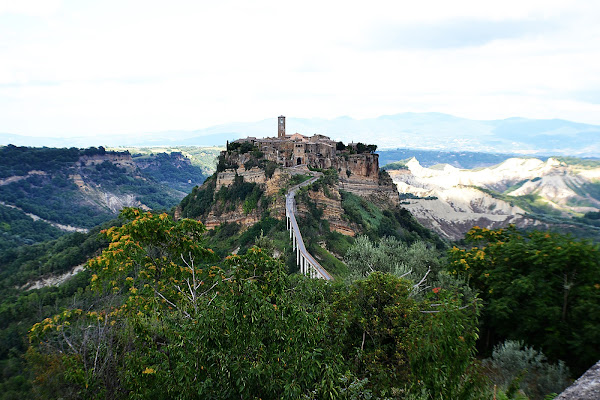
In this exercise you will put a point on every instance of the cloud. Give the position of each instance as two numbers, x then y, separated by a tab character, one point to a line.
454	33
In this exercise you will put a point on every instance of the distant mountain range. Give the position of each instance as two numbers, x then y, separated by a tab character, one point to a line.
433	131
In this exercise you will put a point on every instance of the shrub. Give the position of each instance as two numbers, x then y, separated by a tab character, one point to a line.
513	366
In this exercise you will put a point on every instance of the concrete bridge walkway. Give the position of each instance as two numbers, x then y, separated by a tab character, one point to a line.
307	264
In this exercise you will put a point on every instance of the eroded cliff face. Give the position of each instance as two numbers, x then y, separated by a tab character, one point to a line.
254	174
364	167
102	196
121	160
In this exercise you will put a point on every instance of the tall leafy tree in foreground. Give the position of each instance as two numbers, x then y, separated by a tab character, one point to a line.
540	287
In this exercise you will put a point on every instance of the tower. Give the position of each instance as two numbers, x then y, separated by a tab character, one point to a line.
281	127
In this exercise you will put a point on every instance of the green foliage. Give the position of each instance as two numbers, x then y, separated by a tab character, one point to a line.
538	287
223	163
170	321
514	366
396	165
202	157
223	334
580	162
443	347
270	168
365	148
251	201
20	308
17	228
226	237
592	189
297	179
18	161
404	347
427	158
199	202
54	198
227	198
392	256
377	223
173	169
375	316
328	261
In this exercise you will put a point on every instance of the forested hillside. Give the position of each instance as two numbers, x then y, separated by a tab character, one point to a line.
20	306
45	192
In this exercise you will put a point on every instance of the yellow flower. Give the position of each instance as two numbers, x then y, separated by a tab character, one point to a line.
148	370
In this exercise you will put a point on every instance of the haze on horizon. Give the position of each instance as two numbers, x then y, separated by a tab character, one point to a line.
78	67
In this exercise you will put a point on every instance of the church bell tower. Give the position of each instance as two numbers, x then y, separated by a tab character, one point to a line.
281	127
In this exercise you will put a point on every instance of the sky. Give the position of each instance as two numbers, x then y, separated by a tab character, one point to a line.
79	68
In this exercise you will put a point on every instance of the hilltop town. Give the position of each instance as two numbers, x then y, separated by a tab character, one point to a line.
270	162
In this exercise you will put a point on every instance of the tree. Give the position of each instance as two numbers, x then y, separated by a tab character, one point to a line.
539	287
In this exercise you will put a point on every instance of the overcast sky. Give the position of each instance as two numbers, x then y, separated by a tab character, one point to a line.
108	67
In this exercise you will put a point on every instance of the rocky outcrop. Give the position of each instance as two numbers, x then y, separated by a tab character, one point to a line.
587	387
238	216
254	174
358	171
359	166
52	280
380	194
121	160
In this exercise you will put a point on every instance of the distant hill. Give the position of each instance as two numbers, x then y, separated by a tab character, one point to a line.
46	192
427	131
559	193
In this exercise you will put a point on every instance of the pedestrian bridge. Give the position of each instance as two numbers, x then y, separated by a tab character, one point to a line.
305	261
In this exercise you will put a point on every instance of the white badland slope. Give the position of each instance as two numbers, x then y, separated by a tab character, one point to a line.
460	205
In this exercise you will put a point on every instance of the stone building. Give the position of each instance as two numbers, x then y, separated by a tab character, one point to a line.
317	151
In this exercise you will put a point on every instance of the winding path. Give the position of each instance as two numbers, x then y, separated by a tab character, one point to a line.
307	263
